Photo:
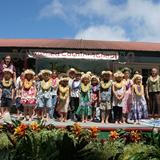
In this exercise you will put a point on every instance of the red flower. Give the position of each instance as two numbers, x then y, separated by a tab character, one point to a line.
94	131
114	135
20	130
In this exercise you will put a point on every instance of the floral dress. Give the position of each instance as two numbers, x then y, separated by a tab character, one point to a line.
127	97
139	108
85	104
28	96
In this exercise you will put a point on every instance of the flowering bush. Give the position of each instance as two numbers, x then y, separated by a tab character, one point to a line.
37	141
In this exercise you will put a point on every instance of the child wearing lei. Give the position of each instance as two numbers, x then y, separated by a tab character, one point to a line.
75	93
44	95
139	106
71	73
7	89
19	106
84	108
28	93
128	95
55	83
95	88
119	90
105	95
63	98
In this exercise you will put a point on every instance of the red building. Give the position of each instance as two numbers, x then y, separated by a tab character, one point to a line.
140	56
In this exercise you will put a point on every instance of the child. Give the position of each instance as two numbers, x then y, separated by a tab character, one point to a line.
71	73
105	95
7	90
55	83
63	96
139	106
19	106
44	95
119	90
28	93
84	108
95	88
75	93
128	95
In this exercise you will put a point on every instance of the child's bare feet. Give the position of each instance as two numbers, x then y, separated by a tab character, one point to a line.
107	122
102	122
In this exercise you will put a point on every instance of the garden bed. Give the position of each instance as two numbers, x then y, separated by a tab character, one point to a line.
37	141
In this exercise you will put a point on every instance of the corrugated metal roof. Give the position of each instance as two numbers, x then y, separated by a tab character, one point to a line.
80	44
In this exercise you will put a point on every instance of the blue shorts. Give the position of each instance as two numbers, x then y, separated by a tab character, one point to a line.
44	102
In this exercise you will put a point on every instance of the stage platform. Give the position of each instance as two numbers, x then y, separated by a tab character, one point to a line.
145	125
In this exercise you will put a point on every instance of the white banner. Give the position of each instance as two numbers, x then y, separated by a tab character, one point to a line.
94	56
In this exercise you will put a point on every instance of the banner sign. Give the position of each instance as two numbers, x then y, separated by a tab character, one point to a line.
67	55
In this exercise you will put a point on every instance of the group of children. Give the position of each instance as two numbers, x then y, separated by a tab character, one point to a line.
75	95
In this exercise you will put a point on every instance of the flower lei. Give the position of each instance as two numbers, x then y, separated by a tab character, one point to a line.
127	83
106	85
64	92
118	85
138	90
55	83
46	85
27	84
85	88
7	83
154	80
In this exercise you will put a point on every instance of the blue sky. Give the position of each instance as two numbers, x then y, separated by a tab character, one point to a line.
126	20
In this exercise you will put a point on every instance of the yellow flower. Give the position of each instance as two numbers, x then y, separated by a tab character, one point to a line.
135	136
77	128
35	126
114	135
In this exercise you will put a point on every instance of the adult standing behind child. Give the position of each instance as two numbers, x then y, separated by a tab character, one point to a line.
7	63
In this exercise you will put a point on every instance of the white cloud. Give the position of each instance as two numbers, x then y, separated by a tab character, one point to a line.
136	20
55	8
102	33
